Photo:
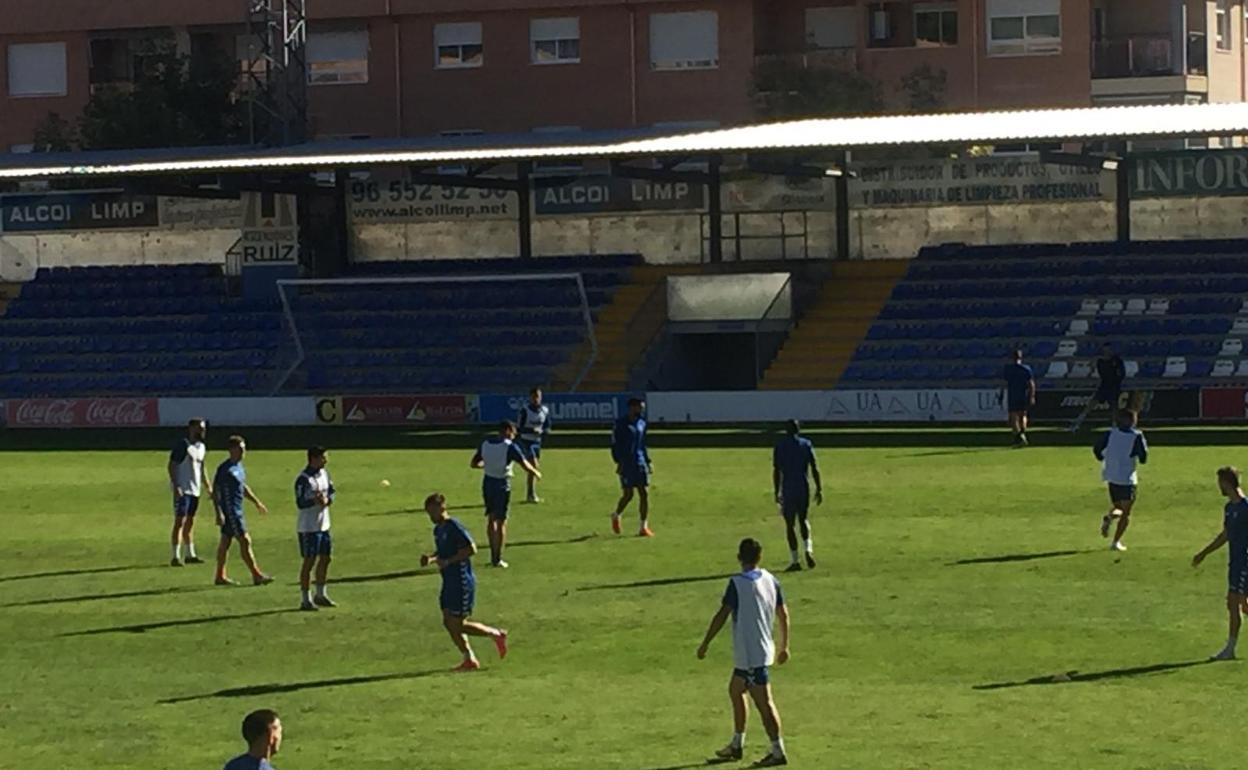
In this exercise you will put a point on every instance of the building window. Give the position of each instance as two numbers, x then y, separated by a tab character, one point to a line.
831	27
337	57
21	149
684	41
935	24
37	69
458	45
555	41
1024	27
1222	24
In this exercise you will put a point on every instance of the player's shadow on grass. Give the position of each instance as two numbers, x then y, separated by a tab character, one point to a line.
278	688
656	583
1095	676
71	572
941	452
401	511
380	577
577	539
139	628
1013	557
118	595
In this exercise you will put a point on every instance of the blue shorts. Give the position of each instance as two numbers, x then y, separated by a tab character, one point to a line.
1107	396
312	544
1017	404
532	449
497	496
459	595
186	505
235	525
795	506
754	677
1237	577
634	476
1119	493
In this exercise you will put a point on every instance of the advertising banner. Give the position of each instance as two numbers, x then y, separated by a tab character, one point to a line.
1194	173
82	413
976	181
1159	404
289	410
941	405
397	410
77	211
779	194
402	200
607	194
565	408
1223	403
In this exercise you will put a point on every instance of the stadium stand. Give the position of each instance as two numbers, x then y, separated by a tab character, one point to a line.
182	330
1175	311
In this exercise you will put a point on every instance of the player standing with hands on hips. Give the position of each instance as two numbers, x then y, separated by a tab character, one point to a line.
187	476
632	465
533	424
1235	535
314	493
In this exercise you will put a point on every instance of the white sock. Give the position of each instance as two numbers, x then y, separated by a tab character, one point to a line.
177	551
793	553
190	550
810	545
320	591
738	740
777	747
645	523
306	594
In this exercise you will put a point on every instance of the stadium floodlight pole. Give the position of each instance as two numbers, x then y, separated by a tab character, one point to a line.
301	352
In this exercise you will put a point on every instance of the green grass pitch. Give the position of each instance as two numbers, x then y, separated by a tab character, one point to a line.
965	613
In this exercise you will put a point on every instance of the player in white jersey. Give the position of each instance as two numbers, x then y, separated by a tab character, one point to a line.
494	457
1119	448
314	493
187	479
533	425
754	600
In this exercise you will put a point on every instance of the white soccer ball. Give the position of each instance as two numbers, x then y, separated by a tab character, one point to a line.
385	483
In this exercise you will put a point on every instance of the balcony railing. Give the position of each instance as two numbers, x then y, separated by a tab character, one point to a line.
1142	56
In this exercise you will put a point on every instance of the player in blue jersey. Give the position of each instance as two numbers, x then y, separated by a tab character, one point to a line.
453	554
1111	372
792	459
533	424
1120	448
632	465
494	458
263	732
187	478
229	490
1235	535
1020	395
754	601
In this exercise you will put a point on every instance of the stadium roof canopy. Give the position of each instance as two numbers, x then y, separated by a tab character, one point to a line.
1095	123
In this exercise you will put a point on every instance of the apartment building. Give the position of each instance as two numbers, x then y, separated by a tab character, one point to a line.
416	67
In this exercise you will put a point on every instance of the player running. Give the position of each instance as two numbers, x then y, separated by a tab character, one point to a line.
792	459
754	600
230	489
263	732
1111	371
453	554
1119	449
494	457
314	493
187	477
533	423
1020	395
1235	534
632	465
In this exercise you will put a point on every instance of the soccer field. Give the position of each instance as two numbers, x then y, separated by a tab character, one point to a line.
965	613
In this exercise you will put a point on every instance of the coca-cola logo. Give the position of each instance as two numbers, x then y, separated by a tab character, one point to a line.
60	412
130	411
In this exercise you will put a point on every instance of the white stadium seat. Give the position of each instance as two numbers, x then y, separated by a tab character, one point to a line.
1241	326
1243	307
1112	307
1056	370
1159	307
1067	349
1090	307
1176	366
1079	327
1232	347
1242	371
1223	368
1080	370
1132	367
1135	306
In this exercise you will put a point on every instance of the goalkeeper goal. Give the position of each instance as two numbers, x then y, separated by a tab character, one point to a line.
445	333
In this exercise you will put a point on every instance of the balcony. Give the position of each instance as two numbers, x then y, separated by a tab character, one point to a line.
1149	68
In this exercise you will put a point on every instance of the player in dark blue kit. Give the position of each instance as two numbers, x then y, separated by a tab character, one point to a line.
1235	535
1112	372
792	460
229	490
1020	395
632	465
453	555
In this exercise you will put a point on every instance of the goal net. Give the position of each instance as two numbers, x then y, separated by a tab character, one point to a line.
430	334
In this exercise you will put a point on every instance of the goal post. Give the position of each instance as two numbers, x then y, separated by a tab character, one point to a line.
392	294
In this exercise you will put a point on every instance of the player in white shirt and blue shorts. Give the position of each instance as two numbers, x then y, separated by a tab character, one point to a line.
1119	448
753	599
533	424
495	457
314	493
187	479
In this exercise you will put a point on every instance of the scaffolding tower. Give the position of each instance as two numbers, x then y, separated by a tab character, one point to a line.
277	71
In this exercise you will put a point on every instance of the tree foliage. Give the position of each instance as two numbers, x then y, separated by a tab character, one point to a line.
925	88
786	88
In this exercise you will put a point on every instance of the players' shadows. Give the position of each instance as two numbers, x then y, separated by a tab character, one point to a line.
692	765
71	572
277	688
401	511
380	577
942	452
139	628
119	595
577	539
656	583
1096	676
1013	557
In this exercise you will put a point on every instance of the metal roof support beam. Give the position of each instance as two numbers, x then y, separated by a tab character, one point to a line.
841	194
524	191
715	209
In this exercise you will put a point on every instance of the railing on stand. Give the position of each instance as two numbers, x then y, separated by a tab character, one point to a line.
766	235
